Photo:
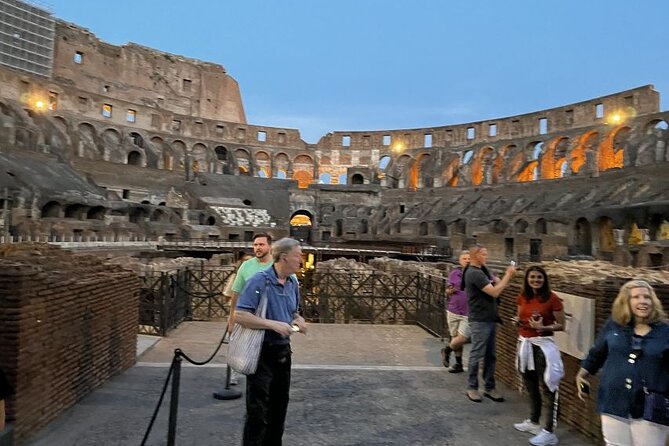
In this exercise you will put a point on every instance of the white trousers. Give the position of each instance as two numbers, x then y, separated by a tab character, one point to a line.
620	431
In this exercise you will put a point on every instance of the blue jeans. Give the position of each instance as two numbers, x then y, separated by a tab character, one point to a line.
483	349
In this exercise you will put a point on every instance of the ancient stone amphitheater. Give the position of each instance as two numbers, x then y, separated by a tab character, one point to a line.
126	143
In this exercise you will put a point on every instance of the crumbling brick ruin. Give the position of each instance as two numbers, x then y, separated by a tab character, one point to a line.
68	323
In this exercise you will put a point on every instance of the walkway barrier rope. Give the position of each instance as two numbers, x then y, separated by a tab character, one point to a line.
175	373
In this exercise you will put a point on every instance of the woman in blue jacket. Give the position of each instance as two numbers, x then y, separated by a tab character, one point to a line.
633	352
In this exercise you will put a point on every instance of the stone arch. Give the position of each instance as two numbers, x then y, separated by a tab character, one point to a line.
303	170
499	165
199	158
585	149
553	162
96	213
222	163
655	125
88	147
520	226
263	164
357	179
540	226
301	223
460	226
159	215
61	124
243	159
281	165
165	157
606	240
325	178
134	158
52	209
441	228
423	228
450	174
527	162
74	211
612	150
480	166
398	171
179	151
111	139
137	139
582	237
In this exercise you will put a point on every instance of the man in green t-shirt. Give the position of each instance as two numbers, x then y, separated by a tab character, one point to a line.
262	244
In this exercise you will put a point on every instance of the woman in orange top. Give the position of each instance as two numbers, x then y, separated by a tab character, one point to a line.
540	313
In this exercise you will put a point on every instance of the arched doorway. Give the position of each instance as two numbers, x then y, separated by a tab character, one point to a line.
300	226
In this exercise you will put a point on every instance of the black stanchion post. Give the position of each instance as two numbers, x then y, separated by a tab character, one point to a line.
227	393
174	399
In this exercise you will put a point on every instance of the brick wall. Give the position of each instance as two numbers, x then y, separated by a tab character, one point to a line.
67	324
572	410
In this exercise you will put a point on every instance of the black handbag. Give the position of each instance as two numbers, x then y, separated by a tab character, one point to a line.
656	408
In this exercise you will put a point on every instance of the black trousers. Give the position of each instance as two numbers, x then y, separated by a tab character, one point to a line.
534	382
267	397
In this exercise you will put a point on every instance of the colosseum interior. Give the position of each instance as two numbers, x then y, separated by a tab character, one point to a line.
126	143
105	146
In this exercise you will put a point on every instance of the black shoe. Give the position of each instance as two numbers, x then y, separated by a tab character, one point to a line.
456	368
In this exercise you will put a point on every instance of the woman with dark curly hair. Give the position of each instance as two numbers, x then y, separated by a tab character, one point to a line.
540	314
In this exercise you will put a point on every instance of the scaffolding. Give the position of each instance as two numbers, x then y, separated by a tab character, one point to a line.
27	33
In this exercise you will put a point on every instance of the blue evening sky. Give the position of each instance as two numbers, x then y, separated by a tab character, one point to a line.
322	66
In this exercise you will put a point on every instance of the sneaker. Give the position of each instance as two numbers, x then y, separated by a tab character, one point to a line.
544	438
445	356
528	426
456	368
474	395
493	395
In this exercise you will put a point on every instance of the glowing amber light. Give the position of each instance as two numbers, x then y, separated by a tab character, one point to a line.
616	118
39	105
399	146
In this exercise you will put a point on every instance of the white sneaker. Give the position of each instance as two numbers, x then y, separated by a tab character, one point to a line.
528	426
544	438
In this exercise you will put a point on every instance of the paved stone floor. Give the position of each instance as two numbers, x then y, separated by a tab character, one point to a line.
352	385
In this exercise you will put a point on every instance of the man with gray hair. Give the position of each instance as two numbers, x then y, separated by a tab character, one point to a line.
267	390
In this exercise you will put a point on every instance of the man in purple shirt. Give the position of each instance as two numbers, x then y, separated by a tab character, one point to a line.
458	325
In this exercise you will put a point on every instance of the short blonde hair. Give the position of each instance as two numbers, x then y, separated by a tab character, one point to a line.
621	312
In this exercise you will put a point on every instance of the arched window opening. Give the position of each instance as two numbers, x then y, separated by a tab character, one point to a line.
51	210
221	153
422	228
357	179
520	227
342	178
134	158
300	225
540	227
467	157
383	162
442	228
96	213
325	178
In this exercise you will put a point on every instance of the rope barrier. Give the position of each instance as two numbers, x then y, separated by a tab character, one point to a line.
175	373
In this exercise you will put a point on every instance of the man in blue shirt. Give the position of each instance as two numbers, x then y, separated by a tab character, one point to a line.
267	390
